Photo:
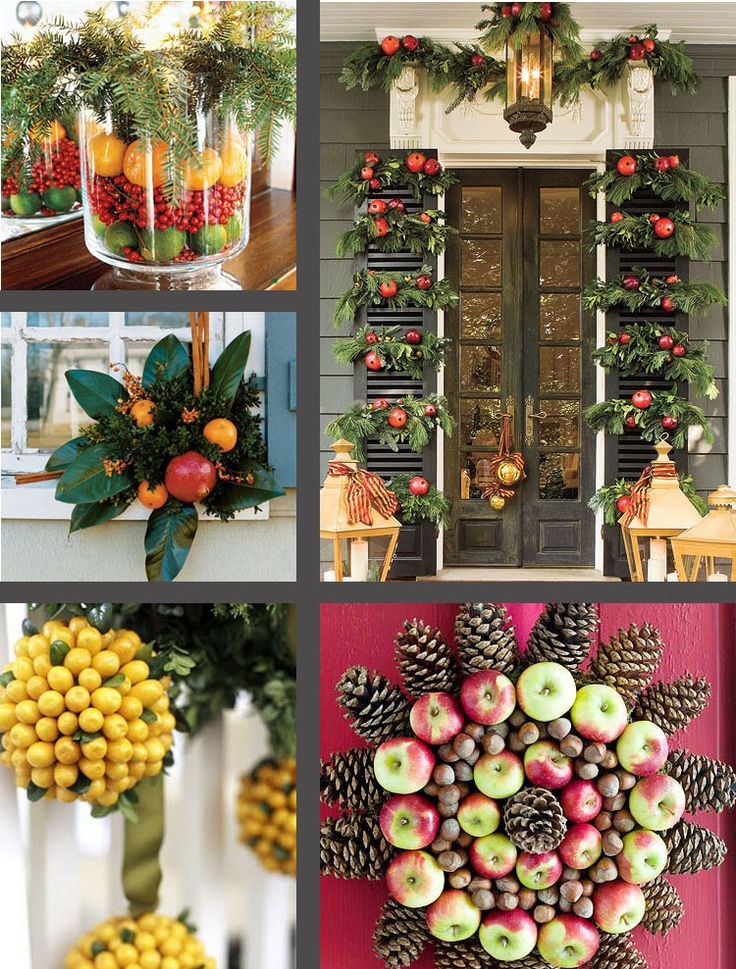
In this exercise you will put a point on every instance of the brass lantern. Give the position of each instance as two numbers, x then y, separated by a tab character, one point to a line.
712	540
669	513
529	70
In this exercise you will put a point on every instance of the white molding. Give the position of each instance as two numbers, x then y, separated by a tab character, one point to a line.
731	373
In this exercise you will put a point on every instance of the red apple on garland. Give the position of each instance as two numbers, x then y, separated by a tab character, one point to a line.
424	281
477	59
674	161
419	486
388	289
415	162
664	228
631	282
376	207
425	217
432	167
669	423
373	360
430	410
665	342
366	173
641	399
381	226
679	350
626	165
413	336
397	417
409	42
371	337
371	158
190	477
581	800
617	216
637	52
380	404
667	304
390	45
595	55
415	879
623	503
648	45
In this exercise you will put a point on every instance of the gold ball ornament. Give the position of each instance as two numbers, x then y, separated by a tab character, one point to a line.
148	941
267	814
497	502
80	716
508	473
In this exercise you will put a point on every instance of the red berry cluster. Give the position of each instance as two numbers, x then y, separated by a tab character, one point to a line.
57	167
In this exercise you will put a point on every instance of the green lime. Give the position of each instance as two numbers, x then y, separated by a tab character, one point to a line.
98	226
25	203
60	199
234	227
6	202
79	195
209	239
120	235
162	244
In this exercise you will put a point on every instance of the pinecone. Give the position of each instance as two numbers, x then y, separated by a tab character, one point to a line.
352	846
469	954
628	661
665	908
534	820
347	779
562	634
618	952
692	849
672	706
378	709
710	785
532	961
425	661
486	638
400	935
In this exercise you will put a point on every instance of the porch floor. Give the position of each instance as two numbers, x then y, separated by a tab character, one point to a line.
460	574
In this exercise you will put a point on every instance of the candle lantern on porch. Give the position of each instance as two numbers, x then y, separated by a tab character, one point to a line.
658	511
711	541
355	506
529	70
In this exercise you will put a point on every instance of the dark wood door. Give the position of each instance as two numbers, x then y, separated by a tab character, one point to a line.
521	344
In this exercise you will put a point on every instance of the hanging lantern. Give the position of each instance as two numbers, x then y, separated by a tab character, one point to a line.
529	72
707	551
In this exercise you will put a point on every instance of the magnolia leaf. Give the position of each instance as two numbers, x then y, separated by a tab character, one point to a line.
170	355
97	394
94	513
169	537
64	455
86	481
228	370
264	487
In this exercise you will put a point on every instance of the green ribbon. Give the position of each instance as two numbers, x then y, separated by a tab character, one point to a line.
143	840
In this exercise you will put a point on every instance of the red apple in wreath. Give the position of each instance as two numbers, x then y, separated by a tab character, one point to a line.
432	167
371	158
506	11
641	399
626	165
388	289
679	350
631	282
416	162
373	360
516	9
390	45
623	503
380	404
664	228
665	342
376	207
424	281
409	42
419	485
397	417
669	423
654	218
381	226
617	216
413	337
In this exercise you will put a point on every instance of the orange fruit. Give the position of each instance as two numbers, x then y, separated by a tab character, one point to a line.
203	171
152	497
143	412
55	133
145	163
106	154
221	432
234	157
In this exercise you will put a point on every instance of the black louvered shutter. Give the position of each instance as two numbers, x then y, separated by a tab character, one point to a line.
627	454
417	549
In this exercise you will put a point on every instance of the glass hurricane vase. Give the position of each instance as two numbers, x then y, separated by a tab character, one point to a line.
52	190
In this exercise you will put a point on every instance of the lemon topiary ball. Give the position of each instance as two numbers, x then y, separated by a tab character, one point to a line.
80	715
267	814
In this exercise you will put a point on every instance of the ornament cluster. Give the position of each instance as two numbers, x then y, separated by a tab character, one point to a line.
55	181
149	941
267	814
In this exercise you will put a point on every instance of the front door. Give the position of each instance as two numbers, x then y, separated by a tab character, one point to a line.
521	344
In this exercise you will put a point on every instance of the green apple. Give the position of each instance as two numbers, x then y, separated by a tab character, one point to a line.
478	815
499	775
644	857
545	691
599	713
642	748
657	802
403	765
453	917
508	936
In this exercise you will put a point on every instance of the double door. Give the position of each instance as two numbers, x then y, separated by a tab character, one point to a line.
521	345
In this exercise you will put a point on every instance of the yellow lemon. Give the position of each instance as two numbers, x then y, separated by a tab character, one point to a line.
60	679
77	699
106	154
67	751
107	663
68	722
51	703
90	639
107	700
234	158
47	729
40	754
91	720
90	679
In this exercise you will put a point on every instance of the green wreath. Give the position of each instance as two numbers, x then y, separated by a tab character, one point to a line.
411	289
616	416
426	232
363	422
628	232
641	289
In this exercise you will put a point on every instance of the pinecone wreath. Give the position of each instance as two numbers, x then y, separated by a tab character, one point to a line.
518	801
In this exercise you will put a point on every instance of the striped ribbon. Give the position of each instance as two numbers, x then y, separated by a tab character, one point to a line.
639	507
496	487
365	491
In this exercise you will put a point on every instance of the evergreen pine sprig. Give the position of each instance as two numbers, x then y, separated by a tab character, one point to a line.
352	186
692	239
672	183
610	416
466	71
395	352
641	352
363	422
646	291
366	292
369	67
606	497
433	506
403	233
561	26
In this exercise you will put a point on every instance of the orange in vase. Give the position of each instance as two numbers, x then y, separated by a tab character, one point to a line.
107	154
145	163
202	171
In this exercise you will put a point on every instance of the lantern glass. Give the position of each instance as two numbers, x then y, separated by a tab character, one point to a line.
529	70
707	551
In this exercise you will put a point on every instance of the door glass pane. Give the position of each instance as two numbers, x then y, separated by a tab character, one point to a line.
561	426
67	319
559	211
559	477
559	370
167	321
481	209
481	262
480	369
479	422
6	320
559	263
6	391
53	414
475	473
480	316
559	316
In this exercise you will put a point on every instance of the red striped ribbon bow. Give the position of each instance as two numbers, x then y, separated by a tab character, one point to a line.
365	491
639	507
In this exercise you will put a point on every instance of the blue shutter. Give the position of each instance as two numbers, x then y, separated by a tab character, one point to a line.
281	396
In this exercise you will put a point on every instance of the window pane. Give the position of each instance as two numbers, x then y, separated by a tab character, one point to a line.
481	262
481	209
167	321
559	370
5	437
53	414
560	428
6	320
559	316
480	316
559	477
559	263
480	369
559	211
475	475
136	354
479	422
68	319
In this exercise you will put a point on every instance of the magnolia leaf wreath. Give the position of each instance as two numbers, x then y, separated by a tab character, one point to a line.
174	438
503	810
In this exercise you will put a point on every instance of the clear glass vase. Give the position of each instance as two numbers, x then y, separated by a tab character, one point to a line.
53	192
161	221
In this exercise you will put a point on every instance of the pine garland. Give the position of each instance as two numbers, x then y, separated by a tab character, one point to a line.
395	352
433	506
606	497
610	416
465	71
369	67
403	233
362	422
500	29
353	186
366	291
646	291
676	183
629	232
641	353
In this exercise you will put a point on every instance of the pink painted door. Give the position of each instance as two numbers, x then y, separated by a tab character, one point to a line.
700	639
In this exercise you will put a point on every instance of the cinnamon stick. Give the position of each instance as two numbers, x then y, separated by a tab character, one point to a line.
206	348
32	476
196	365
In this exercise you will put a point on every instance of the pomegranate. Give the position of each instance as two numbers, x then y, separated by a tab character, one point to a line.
432	167
665	342
371	158
669	423
397	417
413	337
373	361
409	42
679	350
623	503
430	410
190	477
419	485
388	289
641	399
664	228
626	165
631	282
424	281
390	45
416	162
376	207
